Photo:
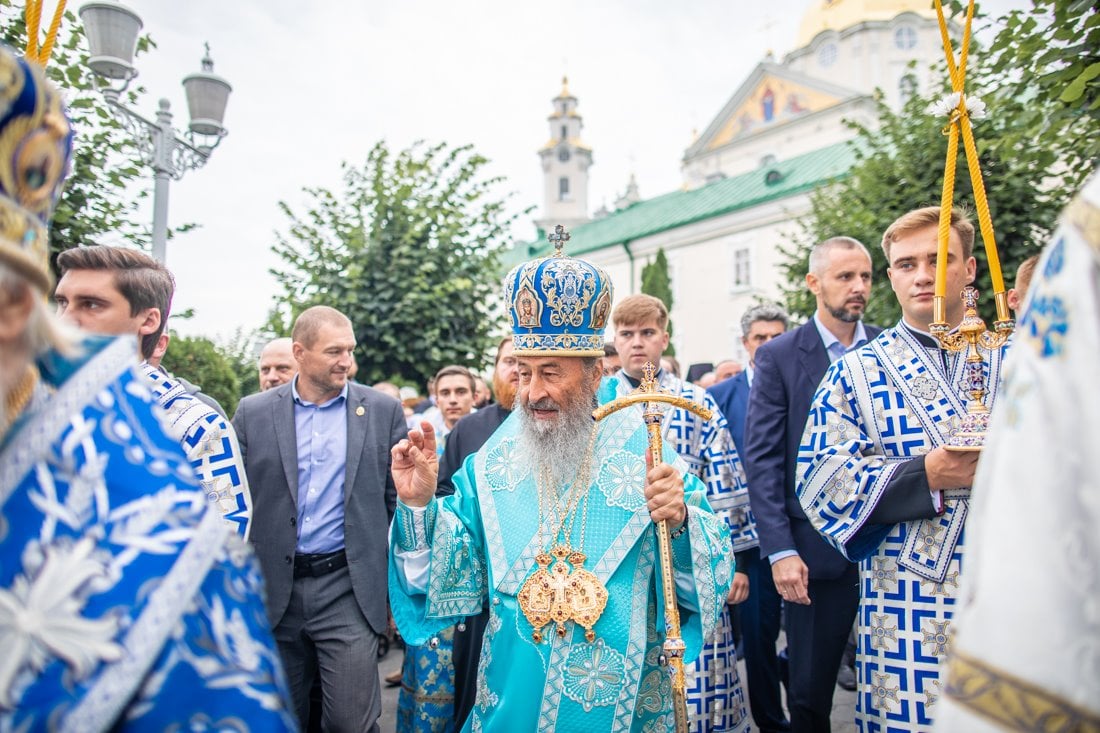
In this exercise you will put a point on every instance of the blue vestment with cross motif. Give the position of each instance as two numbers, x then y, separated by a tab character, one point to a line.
125	601
211	445
482	543
878	408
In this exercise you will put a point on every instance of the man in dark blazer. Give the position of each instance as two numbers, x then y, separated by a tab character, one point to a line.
820	587
760	613
318	449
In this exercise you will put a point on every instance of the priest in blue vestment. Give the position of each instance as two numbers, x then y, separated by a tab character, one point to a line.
552	523
126	603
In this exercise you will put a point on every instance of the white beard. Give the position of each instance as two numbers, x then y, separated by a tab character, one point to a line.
559	446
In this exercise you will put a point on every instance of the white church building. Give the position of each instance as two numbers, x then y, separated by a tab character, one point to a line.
749	175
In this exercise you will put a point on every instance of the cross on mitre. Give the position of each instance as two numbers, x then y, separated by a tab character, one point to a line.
558	238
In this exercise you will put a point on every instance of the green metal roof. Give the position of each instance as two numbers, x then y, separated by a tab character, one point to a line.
680	208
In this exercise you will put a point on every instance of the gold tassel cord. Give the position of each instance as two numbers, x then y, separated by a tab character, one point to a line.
971	334
959	126
33	16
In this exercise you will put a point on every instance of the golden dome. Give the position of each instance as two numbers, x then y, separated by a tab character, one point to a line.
837	15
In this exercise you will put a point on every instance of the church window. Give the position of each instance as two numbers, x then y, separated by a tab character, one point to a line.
563	188
564	132
907	87
563	155
905	38
826	57
742	268
768	160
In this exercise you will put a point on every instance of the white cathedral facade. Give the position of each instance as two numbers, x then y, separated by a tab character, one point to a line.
749	175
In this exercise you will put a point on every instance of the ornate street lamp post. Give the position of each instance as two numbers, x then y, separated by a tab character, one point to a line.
112	30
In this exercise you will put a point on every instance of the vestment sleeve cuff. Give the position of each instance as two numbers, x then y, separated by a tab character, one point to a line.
414	525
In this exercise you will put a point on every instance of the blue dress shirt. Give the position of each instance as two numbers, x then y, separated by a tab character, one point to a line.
322	437
833	347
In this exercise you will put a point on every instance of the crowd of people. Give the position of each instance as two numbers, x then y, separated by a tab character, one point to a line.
165	567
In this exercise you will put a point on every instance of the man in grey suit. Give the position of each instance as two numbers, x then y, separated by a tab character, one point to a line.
318	452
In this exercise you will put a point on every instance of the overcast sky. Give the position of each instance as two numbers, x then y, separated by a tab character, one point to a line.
318	83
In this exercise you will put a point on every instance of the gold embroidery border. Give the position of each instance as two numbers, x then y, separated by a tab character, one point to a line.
1012	702
1085	216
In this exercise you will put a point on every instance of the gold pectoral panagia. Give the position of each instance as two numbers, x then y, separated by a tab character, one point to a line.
564	592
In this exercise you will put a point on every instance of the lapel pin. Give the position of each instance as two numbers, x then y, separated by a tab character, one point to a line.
360	411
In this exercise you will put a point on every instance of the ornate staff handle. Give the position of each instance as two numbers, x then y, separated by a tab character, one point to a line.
649	395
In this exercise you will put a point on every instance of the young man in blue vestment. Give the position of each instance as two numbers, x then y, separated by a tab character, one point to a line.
125	601
877	482
552	523
115	291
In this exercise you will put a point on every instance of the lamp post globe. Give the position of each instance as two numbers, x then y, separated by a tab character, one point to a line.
112	31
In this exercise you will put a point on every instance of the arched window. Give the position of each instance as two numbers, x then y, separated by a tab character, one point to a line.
905	38
563	189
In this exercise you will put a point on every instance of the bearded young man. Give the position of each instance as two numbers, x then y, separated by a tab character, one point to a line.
554	494
818	585
125	601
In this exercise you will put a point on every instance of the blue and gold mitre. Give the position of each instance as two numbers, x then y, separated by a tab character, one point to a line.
559	304
35	146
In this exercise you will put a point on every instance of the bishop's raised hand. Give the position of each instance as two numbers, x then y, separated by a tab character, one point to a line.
415	466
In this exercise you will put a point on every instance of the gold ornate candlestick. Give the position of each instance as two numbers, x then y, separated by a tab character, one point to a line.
973	336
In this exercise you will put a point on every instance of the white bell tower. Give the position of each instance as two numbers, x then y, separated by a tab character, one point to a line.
565	160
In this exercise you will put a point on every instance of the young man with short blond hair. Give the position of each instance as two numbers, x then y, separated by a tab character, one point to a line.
879	484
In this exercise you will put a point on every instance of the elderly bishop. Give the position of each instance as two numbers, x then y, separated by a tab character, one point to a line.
553	523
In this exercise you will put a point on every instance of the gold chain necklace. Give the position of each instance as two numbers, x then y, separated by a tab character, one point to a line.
18	399
565	591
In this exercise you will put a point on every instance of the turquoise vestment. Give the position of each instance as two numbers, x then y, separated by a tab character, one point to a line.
481	544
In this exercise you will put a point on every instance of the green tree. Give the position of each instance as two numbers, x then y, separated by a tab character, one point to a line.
409	251
656	282
900	166
199	361
98	203
1043	69
240	351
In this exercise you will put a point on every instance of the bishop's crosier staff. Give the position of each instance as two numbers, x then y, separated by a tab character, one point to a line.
651	398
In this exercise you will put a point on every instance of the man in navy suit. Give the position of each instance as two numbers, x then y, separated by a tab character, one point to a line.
820	586
760	612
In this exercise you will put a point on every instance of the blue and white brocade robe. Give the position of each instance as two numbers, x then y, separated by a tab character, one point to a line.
482	543
715	696
125	601
877	408
211	445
